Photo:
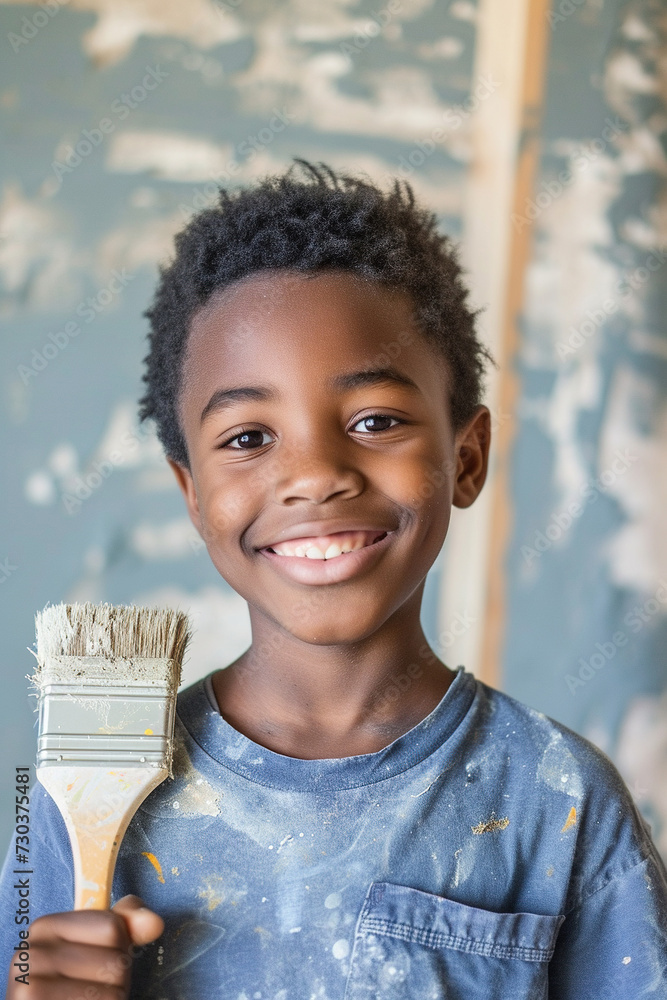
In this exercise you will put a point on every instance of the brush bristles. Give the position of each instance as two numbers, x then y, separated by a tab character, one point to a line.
111	631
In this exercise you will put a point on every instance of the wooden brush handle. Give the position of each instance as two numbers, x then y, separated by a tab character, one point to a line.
97	804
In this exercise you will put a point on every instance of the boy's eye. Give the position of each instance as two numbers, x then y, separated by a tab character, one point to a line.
251	439
377	418
248	440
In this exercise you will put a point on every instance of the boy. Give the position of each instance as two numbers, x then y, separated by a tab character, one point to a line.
349	817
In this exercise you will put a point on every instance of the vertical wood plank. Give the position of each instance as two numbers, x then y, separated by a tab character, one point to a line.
512	53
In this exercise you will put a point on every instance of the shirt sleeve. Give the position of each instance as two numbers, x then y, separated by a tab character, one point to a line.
614	944
46	880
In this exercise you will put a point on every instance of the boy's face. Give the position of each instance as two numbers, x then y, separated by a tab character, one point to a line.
309	462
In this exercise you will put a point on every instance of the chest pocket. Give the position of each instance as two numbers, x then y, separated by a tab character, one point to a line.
414	945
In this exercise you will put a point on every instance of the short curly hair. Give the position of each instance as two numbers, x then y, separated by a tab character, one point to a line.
324	220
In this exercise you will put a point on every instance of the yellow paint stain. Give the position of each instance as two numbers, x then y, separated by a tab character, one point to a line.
156	865
212	897
571	819
148	732
491	825
264	935
550	871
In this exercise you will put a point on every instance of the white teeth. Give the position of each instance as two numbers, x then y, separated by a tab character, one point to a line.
310	551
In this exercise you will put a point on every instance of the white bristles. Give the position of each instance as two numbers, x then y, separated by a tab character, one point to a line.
110	631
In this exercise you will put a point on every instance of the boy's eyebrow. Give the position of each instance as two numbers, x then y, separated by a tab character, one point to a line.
223	398
373	376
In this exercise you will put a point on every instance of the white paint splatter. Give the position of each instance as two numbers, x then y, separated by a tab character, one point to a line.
38	263
341	948
464	859
463	10
64	459
189	792
448	47
169	155
40	489
637	552
557	760
170	540
120	26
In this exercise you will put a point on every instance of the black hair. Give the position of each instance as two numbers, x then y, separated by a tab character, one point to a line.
324	220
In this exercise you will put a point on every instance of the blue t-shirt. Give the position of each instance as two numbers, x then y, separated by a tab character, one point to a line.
488	853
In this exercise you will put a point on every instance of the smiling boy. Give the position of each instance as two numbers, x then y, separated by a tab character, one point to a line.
349	818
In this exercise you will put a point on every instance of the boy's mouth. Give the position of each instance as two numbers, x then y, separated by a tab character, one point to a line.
326	546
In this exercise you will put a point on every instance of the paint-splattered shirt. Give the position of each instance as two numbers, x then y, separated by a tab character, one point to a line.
488	852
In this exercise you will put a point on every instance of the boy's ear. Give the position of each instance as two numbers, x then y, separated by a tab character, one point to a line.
472	457
187	487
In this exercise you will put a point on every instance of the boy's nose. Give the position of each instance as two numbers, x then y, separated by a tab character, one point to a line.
316	474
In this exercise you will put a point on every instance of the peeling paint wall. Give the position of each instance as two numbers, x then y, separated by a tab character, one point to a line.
587	566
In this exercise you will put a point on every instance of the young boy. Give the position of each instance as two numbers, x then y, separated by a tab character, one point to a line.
349	817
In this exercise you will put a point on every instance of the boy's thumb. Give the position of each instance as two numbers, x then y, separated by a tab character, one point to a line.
143	924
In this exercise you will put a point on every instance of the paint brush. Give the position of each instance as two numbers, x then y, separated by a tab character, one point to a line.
107	678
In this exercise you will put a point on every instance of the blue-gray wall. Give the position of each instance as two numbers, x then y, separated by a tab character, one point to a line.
587	567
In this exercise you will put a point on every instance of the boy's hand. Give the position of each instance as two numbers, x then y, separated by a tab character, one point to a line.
85	953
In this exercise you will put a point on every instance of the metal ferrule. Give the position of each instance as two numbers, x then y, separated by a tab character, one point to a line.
95	723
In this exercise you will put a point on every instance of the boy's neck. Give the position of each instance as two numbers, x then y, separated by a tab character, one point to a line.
315	702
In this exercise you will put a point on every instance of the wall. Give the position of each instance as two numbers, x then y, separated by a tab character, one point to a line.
586	627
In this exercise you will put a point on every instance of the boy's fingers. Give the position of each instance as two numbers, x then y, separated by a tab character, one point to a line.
96	927
72	960
143	924
61	989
